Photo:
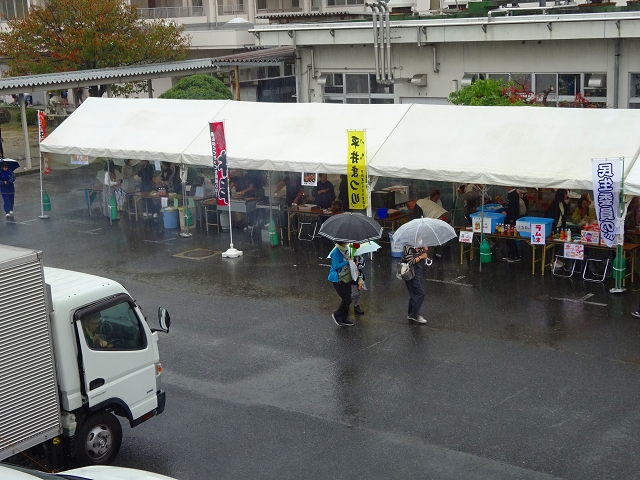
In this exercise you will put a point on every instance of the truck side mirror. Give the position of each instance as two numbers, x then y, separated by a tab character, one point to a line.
164	319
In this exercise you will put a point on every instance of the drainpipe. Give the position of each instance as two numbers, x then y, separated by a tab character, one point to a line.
616	74
383	58
236	71
388	39
375	39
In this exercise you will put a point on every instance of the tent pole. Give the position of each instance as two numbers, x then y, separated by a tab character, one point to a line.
42	215
183	180
618	260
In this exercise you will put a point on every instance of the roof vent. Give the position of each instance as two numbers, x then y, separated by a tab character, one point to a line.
598	80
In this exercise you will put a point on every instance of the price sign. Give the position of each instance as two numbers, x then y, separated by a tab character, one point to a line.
537	234
466	236
574	251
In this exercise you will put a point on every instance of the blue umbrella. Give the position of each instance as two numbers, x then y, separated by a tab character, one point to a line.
13	164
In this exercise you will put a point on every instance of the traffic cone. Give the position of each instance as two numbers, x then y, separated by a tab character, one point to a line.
46	202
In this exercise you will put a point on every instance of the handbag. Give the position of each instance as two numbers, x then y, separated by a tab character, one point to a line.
405	271
344	275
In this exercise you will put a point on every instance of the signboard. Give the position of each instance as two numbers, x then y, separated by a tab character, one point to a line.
466	236
79	159
219	150
356	169
309	179
574	251
607	174
537	234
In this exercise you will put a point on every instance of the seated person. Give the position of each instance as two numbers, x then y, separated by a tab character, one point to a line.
323	192
90	325
584	214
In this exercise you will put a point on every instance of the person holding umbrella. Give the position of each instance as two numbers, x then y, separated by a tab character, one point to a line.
417	235
7	178
340	276
413	256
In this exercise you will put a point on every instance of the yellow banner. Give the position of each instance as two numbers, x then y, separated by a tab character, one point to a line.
356	170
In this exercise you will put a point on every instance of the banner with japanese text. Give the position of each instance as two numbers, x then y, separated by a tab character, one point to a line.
356	170
607	175
42	127
219	150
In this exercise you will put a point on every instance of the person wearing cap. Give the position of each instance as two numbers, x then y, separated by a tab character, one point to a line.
7	178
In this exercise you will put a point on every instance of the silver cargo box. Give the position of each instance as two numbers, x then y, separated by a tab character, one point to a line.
29	408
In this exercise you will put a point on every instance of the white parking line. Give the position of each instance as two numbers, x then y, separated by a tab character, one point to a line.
95	231
581	300
451	282
161	241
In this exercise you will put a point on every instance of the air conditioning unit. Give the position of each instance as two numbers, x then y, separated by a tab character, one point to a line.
419	80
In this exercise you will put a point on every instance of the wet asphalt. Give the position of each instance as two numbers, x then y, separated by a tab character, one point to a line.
514	377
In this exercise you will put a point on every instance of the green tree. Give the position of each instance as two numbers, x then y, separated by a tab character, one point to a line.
68	35
199	87
489	93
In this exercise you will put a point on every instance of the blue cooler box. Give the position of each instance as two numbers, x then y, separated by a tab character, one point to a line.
491	207
523	225
491	219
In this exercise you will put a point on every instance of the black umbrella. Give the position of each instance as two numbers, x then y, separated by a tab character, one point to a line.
351	228
13	164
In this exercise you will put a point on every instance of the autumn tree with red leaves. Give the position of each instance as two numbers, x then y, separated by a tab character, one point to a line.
68	35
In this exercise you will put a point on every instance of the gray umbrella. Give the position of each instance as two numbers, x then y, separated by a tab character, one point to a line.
351	228
424	232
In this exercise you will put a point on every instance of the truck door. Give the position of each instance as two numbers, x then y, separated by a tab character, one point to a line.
116	355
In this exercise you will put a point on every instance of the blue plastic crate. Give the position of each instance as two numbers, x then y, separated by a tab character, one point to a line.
523	225
491	207
492	217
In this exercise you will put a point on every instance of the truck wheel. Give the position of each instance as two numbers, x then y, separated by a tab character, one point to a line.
99	439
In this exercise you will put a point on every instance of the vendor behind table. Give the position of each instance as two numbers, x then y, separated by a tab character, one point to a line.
294	191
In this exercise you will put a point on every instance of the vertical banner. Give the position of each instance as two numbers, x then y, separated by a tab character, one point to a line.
607	175
42	134
219	149
356	170
42	127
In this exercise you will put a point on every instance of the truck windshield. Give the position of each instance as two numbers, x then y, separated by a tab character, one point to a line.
116	327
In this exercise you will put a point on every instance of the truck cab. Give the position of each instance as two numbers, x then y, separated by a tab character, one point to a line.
106	361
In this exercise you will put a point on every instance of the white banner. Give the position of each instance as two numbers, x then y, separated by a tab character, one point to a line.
607	174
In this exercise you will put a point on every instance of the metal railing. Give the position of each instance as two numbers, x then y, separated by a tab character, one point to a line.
228	9
170	12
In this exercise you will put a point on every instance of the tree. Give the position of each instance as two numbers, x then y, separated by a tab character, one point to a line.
199	87
490	93
68	35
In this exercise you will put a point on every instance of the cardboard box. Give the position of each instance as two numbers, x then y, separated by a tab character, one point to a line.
588	236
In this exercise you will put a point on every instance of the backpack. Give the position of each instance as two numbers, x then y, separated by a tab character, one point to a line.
522	208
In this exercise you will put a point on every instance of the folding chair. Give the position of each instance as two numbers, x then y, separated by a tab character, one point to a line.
592	263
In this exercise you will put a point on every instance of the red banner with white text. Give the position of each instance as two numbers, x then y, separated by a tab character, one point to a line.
219	150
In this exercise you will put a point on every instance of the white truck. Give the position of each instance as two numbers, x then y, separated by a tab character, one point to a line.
75	350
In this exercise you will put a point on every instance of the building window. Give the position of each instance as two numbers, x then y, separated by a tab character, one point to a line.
634	90
356	88
340	3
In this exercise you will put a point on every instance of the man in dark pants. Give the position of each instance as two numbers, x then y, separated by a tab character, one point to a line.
414	256
513	212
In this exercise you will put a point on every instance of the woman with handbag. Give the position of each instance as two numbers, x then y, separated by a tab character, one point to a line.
413	257
340	276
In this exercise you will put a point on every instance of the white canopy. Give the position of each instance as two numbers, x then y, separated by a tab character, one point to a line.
519	146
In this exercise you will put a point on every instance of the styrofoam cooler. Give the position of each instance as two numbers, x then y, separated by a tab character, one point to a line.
491	219
523	225
224	220
396	248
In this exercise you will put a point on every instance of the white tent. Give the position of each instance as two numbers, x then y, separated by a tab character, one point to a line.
520	146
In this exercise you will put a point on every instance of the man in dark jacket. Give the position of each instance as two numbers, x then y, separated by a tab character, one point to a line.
145	172
513	212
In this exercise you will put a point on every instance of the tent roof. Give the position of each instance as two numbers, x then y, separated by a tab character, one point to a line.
519	146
